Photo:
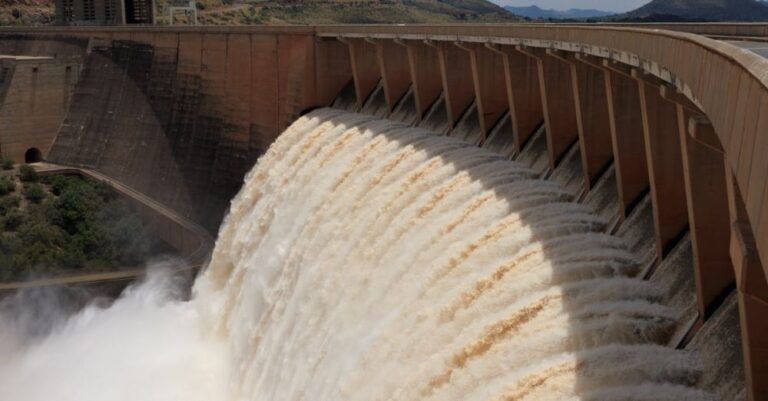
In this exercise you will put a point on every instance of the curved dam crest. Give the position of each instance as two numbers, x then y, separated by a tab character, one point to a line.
366	260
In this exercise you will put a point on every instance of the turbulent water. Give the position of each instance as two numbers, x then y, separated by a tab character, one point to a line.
363	260
147	346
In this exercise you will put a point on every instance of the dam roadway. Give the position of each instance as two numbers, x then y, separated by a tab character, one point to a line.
672	122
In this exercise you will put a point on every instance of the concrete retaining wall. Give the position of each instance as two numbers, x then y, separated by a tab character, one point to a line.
179	116
34	99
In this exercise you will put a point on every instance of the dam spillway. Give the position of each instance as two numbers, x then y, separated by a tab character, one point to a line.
366	260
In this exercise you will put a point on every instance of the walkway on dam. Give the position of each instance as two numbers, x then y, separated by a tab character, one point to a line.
759	48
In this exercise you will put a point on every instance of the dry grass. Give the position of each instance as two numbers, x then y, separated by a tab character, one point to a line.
26	12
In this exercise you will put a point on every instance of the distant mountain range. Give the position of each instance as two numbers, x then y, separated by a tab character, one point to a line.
535	12
698	10
662	11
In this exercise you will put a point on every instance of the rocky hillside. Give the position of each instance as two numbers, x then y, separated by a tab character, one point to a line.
241	12
244	12
535	12
699	10
26	12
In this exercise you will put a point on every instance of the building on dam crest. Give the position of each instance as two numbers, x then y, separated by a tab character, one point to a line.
104	12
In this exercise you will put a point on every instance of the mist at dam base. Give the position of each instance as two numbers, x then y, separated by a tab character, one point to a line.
147	345
366	260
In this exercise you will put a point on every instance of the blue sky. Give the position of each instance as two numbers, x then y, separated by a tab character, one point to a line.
607	5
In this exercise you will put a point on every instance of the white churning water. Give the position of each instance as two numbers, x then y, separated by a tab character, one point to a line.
364	260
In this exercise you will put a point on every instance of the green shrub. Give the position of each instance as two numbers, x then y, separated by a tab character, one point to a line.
77	224
35	193
72	256
13	219
39	247
28	174
6	186
58	183
8	203
6	164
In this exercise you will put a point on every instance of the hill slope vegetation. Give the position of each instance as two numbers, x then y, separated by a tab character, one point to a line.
308	12
26	12
539	13
59	225
303	12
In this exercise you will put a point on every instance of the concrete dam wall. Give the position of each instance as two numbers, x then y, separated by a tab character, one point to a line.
179	117
619	116
37	78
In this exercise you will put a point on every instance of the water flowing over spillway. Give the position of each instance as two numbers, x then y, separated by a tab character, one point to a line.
364	260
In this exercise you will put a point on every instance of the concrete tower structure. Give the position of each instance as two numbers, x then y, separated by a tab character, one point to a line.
105	12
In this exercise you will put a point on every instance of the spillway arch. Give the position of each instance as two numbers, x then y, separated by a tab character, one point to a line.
714	93
720	90
415	266
726	84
